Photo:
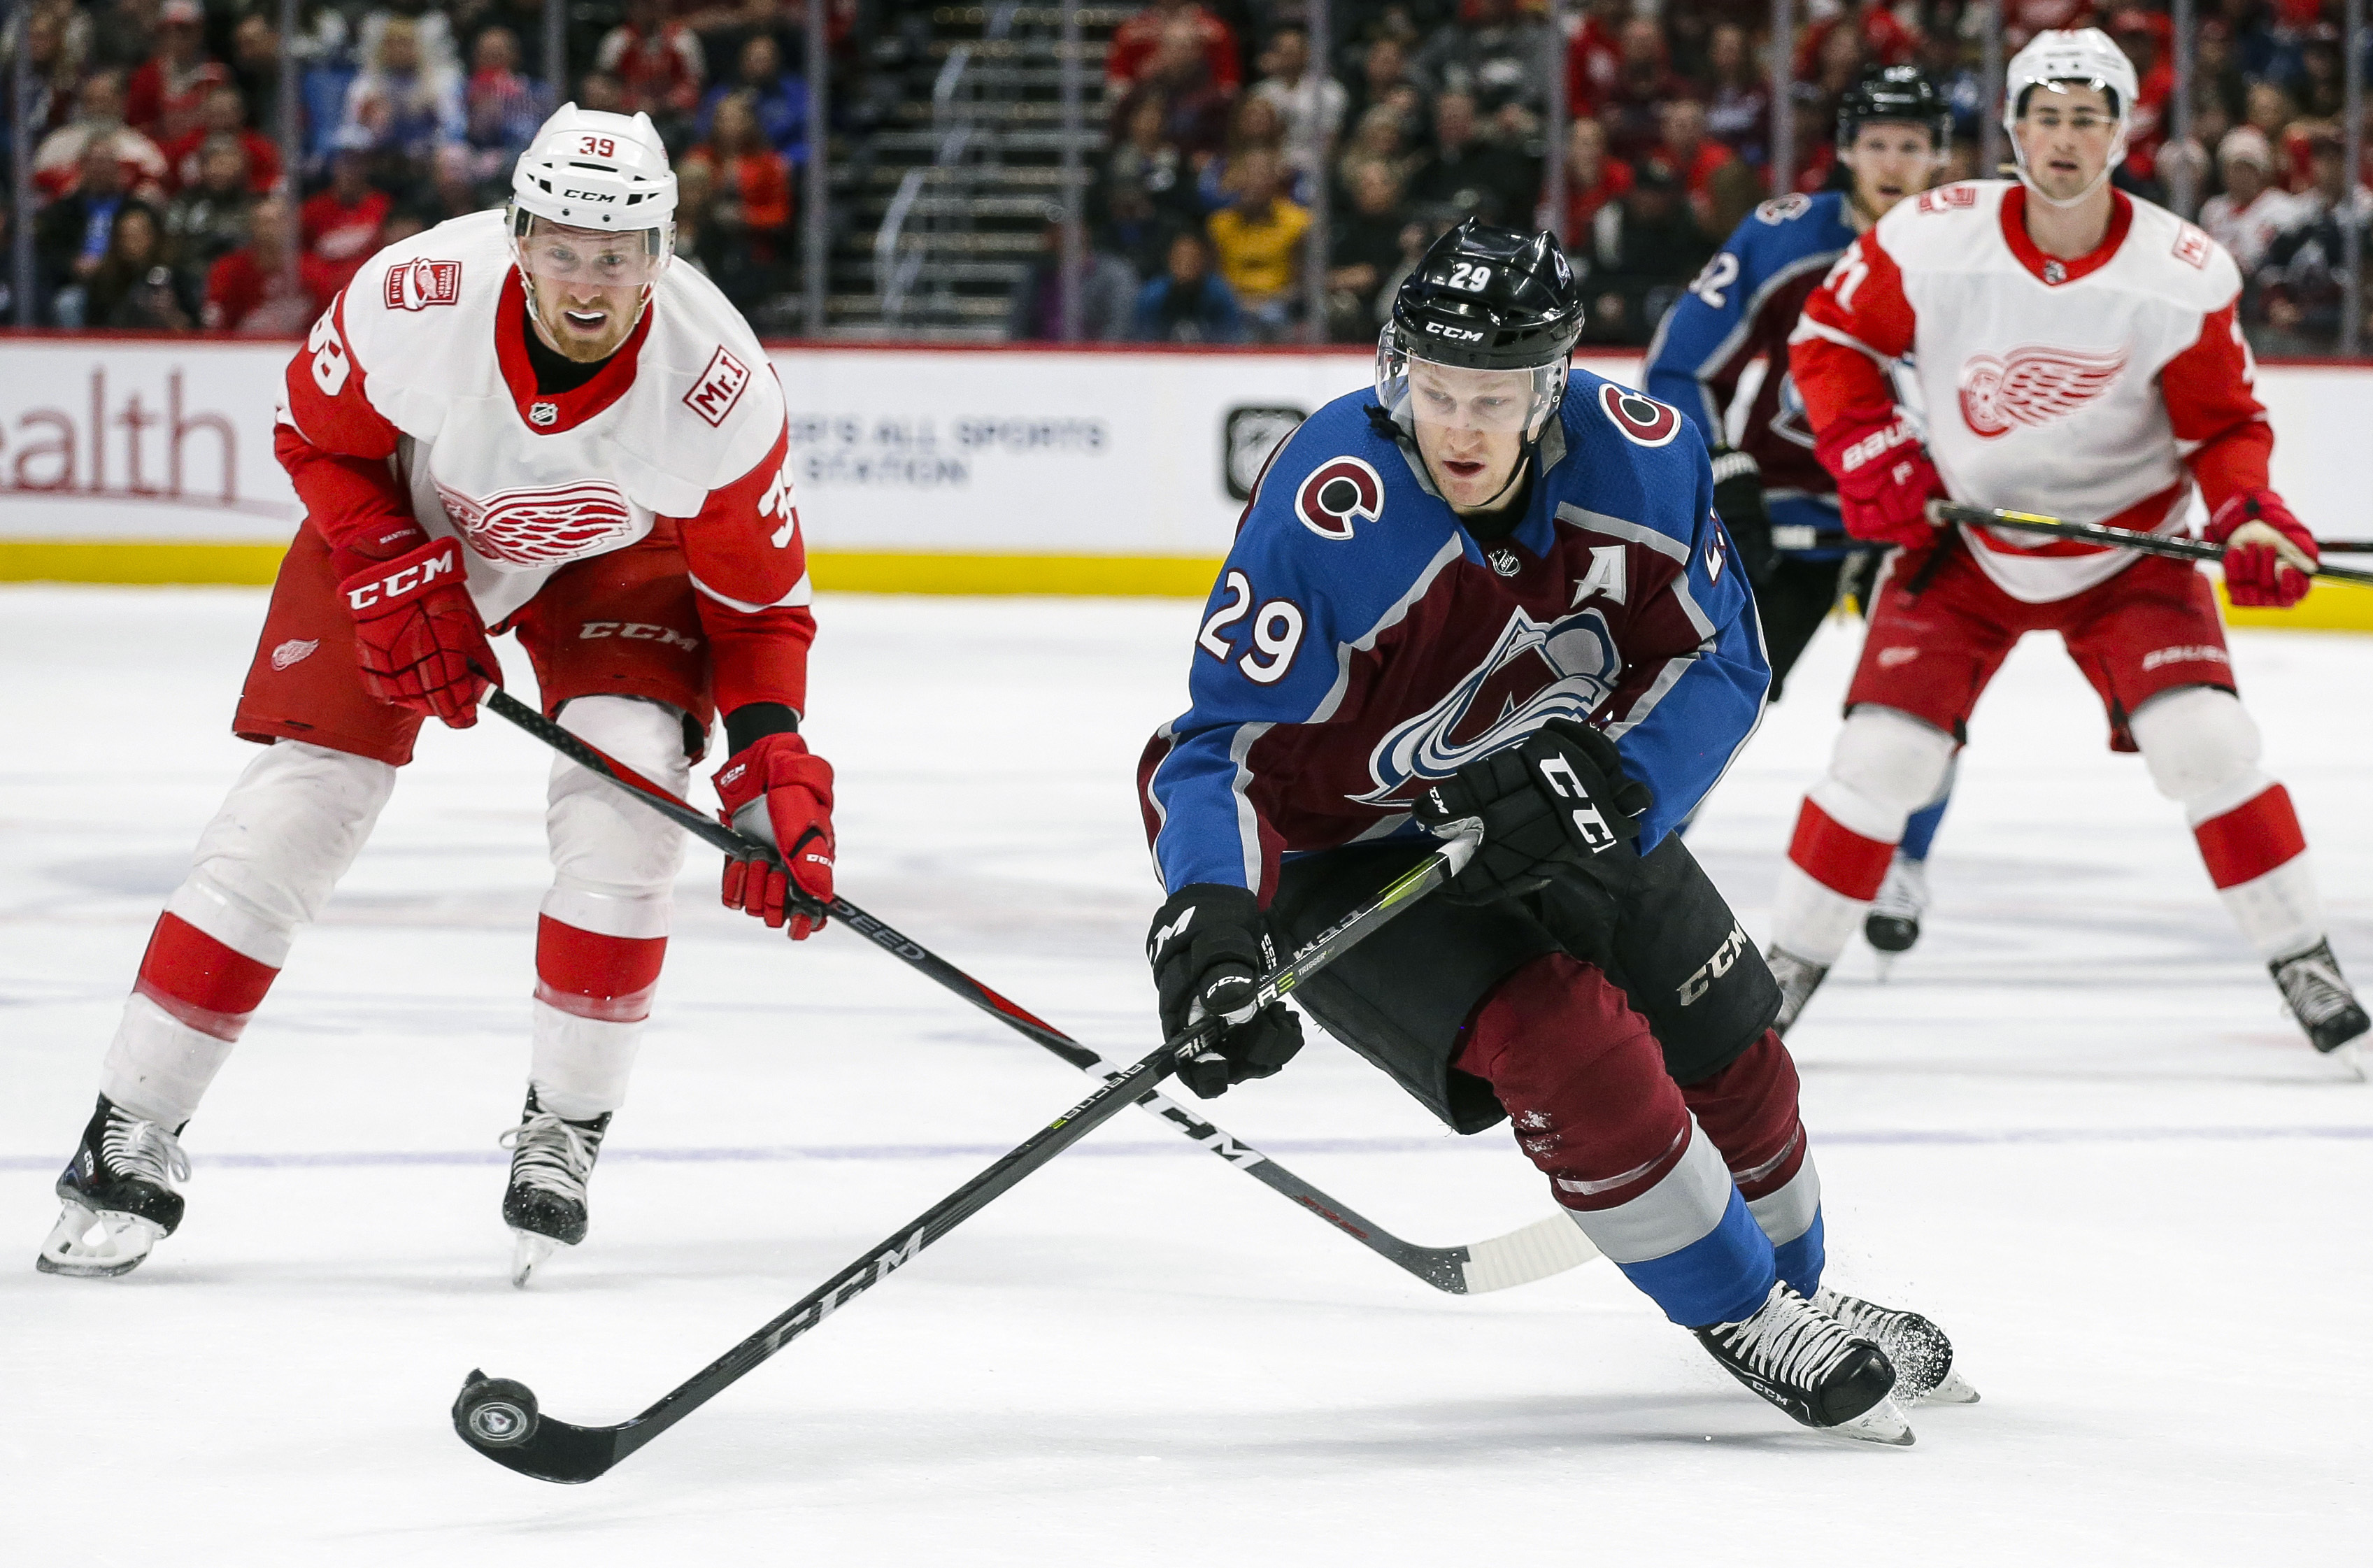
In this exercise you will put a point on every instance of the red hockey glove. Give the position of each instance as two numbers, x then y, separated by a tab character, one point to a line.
1885	480
776	791
2269	554
418	637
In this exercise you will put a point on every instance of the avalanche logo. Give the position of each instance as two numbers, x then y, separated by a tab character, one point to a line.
1336	492
533	526
1643	420
2034	385
1537	672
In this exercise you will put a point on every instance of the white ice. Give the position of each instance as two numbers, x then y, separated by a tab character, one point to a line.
2074	1127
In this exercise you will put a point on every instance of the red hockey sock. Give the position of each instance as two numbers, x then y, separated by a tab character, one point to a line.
1836	856
211	988
1583	1080
1748	1111
607	979
2251	839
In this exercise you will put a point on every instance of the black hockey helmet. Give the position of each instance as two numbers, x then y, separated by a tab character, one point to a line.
1900	93
1485	299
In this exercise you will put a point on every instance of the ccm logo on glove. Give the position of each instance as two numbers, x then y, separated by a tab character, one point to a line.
416	574
1558	773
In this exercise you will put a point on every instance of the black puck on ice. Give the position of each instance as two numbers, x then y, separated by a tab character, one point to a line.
494	1412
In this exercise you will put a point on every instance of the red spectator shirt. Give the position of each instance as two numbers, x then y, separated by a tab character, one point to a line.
1135	40
263	160
661	74
339	236
1582	205
242	296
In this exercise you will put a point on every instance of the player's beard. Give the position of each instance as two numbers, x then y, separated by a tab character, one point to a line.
586	330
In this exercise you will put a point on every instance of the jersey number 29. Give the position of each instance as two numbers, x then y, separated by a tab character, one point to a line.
1276	626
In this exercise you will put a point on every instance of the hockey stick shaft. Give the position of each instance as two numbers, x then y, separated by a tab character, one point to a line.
2174	548
559	1451
1544	1248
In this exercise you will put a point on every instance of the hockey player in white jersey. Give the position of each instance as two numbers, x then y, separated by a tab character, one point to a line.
522	420
2079	355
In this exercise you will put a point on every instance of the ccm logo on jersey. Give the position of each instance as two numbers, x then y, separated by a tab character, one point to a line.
637	631
719	388
1715	968
417	578
1337	491
2033	385
416	285
1643	420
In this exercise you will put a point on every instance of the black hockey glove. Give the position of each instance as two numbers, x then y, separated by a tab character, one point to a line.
1739	501
1558	805
1209	945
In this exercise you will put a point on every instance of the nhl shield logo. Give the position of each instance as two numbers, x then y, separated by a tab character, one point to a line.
1249	440
544	414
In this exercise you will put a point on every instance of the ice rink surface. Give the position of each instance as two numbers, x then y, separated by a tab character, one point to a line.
2072	1125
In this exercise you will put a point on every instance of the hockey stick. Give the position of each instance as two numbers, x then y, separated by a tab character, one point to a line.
2102	533
1547	1247
500	1417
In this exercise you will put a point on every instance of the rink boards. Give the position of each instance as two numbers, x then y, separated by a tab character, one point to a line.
920	470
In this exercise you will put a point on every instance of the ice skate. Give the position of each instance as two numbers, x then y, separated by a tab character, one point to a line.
550	1161
119	1196
1804	1361
1892	927
2319	999
1921	1355
1798	979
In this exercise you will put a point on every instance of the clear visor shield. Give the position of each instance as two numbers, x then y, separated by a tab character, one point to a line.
563	255
1415	390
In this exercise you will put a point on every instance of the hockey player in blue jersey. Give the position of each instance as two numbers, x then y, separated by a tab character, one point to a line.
1721	356
1498	593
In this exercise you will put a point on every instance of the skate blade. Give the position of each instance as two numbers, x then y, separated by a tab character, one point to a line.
1953	1391
122	1242
528	1252
1883	1423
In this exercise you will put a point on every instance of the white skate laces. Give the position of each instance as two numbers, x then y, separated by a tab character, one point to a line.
144	1148
551	1155
1786	1340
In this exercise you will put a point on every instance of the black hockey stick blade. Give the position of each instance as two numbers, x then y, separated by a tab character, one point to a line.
2174	547
500	1419
1547	1247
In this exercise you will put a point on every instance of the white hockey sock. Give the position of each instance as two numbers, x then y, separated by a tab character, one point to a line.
158	1068
580	1066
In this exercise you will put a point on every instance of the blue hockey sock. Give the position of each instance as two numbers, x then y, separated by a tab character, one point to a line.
1800	1260
1920	832
1722	1277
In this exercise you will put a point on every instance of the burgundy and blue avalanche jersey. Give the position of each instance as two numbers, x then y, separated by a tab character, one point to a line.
1360	644
1726	340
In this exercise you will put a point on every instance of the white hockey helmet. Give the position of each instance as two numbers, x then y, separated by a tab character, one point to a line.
2085	56
594	170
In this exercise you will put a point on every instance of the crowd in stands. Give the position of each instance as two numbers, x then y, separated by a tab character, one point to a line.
163	200
1432	109
160	199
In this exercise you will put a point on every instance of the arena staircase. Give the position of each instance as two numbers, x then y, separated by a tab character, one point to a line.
945	200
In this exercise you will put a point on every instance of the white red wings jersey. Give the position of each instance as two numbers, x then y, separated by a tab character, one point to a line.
2093	390
422	361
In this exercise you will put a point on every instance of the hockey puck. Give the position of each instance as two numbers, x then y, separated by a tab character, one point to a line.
494	1412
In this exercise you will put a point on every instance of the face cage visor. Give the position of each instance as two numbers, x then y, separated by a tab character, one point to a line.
630	258
1412	388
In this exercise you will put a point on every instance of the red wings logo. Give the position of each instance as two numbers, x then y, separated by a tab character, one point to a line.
2032	386
529	527
416	285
